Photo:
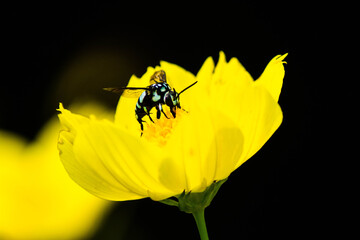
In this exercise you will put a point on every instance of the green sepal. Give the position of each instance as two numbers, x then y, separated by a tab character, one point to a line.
192	202
170	202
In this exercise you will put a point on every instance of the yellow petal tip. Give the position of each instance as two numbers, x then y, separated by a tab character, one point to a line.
272	77
61	107
282	57
222	56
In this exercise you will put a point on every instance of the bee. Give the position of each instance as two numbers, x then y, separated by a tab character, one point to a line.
157	94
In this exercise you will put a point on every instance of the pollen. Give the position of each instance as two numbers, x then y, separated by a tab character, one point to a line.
161	129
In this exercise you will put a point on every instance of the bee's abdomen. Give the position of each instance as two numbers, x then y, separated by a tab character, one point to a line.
139	109
144	105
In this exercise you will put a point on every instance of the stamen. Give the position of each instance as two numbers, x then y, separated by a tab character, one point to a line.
161	129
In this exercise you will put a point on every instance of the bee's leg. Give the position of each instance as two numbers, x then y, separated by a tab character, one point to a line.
158	113
141	125
147	112
173	111
150	118
160	108
142	128
164	113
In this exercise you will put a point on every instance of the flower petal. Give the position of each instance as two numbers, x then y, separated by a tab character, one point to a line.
87	173
204	77
235	94
258	116
231	71
205	147
106	174
219	69
111	163
228	78
273	75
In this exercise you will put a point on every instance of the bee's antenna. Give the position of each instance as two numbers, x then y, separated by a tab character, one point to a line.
187	88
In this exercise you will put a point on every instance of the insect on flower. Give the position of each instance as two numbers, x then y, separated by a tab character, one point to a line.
155	95
191	155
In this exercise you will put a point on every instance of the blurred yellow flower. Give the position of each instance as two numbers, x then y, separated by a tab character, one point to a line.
228	118
37	198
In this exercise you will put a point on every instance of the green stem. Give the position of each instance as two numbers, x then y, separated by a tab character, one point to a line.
201	225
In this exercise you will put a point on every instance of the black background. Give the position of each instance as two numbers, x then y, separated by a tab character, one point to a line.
63	52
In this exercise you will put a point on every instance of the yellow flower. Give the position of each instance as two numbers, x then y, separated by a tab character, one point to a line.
37	198
227	118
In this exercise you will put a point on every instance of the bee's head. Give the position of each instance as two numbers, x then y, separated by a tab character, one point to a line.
172	99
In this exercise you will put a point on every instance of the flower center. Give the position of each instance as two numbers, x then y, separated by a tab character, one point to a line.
161	129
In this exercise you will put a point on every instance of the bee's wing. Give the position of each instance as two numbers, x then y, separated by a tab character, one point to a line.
153	81
129	92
